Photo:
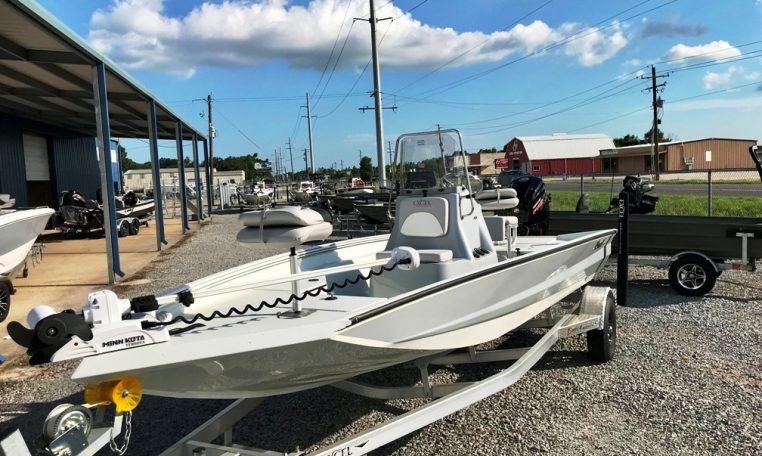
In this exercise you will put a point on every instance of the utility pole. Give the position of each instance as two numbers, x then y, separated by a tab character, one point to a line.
309	135
656	103
306	166
377	94
212	134
275	177
291	157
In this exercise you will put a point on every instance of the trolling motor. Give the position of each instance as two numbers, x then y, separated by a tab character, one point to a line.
106	324
640	203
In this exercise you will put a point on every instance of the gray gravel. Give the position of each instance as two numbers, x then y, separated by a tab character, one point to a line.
687	379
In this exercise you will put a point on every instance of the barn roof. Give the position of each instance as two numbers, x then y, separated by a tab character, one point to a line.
561	145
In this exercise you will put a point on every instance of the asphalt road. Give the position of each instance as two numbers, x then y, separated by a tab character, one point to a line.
603	185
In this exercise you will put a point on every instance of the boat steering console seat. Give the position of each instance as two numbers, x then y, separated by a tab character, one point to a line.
449	232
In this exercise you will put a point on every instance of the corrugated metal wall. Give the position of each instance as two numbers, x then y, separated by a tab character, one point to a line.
726	154
76	165
12	172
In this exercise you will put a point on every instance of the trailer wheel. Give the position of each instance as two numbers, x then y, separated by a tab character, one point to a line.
134	227
601	343
124	229
5	298
692	275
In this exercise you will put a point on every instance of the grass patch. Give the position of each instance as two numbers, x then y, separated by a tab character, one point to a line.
722	206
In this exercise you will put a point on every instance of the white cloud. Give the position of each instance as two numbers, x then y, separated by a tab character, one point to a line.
714	51
633	62
242	33
713	80
593	45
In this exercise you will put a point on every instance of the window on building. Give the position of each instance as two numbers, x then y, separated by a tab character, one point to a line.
535	168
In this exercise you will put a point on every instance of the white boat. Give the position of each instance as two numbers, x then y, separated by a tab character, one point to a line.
18	232
446	277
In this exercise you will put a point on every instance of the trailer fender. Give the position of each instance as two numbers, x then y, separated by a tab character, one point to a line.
594	301
697	253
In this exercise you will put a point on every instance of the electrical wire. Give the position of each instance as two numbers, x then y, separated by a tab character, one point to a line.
217	110
513	24
588	31
333	49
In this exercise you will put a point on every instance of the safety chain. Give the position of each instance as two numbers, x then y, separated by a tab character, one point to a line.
278	301
116	448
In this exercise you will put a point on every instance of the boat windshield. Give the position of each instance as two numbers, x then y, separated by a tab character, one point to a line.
433	160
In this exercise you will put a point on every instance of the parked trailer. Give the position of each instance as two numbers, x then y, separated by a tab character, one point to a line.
697	249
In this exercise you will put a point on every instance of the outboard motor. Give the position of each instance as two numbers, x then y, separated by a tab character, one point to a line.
77	213
640	203
534	205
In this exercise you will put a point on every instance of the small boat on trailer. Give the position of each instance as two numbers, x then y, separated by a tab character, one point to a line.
447	277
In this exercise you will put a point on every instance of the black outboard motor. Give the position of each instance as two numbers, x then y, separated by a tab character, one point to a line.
78	214
640	203
534	205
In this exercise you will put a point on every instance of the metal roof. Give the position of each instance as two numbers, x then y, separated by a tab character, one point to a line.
565	146
46	75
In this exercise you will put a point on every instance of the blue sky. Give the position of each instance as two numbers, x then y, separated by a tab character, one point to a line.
494	69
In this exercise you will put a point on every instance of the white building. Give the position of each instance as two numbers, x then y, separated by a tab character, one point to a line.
142	179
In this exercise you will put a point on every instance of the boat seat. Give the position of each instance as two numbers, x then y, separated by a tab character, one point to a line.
424	217
499	199
500	227
289	226
426	255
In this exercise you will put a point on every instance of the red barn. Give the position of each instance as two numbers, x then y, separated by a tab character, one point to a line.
557	154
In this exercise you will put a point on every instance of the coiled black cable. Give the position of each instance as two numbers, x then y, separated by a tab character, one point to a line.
278	301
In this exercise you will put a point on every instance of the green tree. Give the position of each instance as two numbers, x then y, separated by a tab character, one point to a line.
128	163
366	169
628	140
661	136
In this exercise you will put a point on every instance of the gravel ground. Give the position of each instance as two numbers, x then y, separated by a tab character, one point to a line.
687	379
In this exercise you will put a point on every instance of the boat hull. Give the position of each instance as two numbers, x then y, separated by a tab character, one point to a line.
18	232
260	354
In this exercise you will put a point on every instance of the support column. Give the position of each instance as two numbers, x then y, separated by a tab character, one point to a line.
197	176
209	189
153	145
181	171
100	99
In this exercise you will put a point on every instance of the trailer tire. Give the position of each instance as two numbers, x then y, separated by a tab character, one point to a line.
5	298
123	229
601	343
692	275
134	227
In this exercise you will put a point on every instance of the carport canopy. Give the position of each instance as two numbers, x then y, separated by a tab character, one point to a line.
50	74
46	75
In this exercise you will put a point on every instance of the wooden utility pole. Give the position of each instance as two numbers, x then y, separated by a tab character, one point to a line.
291	157
311	168
657	103
211	138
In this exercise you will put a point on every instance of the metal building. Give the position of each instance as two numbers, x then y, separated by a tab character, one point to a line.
556	154
59	100
688	155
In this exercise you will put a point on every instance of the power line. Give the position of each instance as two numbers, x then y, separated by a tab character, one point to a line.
333	49
335	64
217	110
590	30
513	24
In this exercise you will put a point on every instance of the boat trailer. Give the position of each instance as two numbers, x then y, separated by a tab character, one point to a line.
82	430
